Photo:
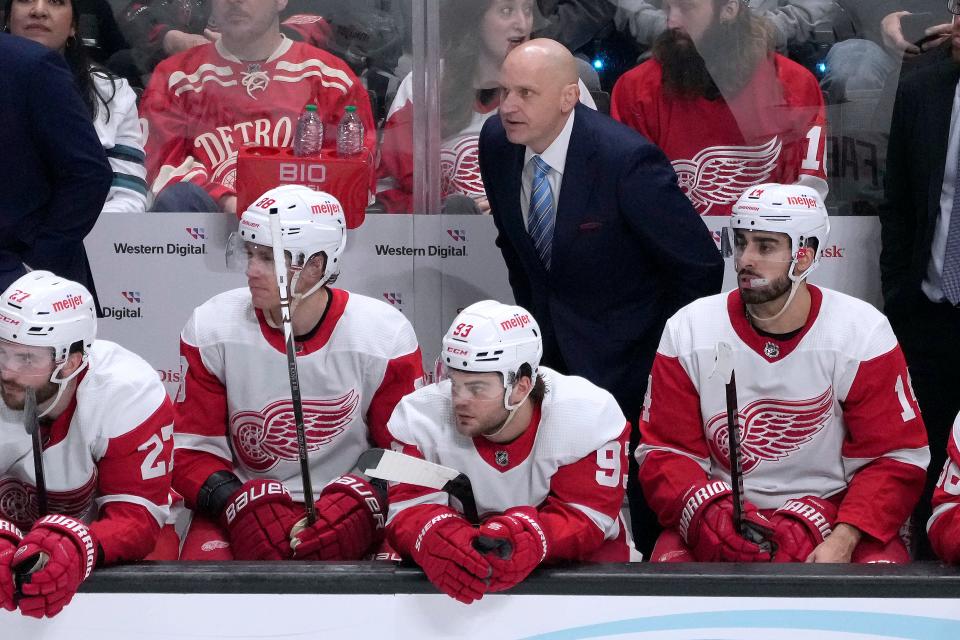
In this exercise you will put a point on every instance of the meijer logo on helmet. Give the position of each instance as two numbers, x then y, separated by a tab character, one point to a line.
326	207
805	201
71	302
516	322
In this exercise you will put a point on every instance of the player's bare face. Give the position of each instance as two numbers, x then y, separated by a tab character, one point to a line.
763	260
240	20
22	367
477	402
506	24
261	276
49	22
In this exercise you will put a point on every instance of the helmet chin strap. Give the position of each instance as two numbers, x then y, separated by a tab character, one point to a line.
513	408
62	383
794	285
296	298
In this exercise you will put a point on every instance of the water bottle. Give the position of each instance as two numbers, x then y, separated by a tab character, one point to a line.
350	133
309	138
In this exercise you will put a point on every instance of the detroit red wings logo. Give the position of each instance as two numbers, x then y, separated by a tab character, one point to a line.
18	501
770	430
460	167
717	176
263	438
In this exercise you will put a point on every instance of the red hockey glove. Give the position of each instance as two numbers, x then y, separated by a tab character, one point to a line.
944	536
523	545
706	525
351	515
10	538
69	553
258	518
444	550
800	525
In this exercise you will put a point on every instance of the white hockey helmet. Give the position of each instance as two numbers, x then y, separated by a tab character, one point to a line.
792	209
489	336
311	222
41	309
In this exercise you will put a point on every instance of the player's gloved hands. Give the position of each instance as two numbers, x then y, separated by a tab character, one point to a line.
258	519
444	550
67	551
523	545
10	538
944	536
800	525
351	515
707	526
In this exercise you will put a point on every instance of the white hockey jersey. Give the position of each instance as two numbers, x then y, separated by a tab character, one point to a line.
106	458
570	464
827	412
233	409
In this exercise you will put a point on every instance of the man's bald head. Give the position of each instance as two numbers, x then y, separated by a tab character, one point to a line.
539	80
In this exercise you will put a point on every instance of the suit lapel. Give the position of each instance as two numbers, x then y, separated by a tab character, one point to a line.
937	129
577	176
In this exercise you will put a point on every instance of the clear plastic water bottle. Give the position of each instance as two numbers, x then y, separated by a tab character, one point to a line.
350	133
309	138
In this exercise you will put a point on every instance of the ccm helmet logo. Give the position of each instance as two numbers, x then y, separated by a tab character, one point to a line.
457	352
802	201
9	320
302	173
71	302
516	322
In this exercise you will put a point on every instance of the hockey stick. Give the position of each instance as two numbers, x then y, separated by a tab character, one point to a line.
398	467
31	424
723	369
280	267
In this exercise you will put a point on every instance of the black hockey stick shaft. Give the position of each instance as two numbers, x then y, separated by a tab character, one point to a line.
280	268
736	474
32	425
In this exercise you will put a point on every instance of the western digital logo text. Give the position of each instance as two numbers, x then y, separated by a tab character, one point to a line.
433	250
171	248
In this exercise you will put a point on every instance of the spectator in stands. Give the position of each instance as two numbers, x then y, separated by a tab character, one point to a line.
892	31
793	20
574	23
728	111
55	174
247	88
469	94
111	102
920	242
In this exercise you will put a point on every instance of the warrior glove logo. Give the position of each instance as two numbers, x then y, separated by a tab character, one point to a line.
264	438
770	430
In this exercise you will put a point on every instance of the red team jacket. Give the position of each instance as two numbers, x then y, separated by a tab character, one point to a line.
204	103
774	130
107	457
827	413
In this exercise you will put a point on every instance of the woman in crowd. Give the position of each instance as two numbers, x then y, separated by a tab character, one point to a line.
111	101
476	36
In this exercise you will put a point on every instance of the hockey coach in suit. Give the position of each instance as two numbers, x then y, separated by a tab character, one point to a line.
54	176
600	243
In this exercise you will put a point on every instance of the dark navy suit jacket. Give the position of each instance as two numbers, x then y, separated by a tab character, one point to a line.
54	176
628	251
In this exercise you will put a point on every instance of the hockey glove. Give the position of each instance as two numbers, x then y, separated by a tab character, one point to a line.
61	552
800	525
258	518
351	515
944	536
444	550
523	546
10	538
707	526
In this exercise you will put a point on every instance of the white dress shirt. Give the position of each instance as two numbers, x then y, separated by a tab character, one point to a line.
933	283
556	156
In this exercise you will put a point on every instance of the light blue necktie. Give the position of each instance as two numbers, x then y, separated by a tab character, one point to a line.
540	217
951	257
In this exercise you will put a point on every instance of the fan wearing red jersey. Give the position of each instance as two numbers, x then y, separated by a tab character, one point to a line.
247	88
236	441
546	454
832	446
728	111
943	528
106	439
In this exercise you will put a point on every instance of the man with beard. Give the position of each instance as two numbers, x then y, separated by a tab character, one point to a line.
546	454
248	87
106	431
833	450
728	111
